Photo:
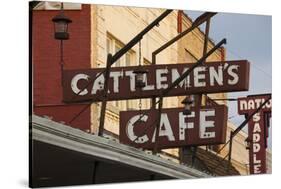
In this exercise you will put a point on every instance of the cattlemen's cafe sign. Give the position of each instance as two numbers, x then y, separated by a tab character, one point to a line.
257	129
213	77
203	126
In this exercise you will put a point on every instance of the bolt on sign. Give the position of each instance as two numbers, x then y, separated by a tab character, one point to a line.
203	126
257	129
213	77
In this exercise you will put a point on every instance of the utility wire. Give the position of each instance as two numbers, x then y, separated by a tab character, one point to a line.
233	116
254	65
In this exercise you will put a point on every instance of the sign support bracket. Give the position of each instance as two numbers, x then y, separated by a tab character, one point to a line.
103	104
112	59
199	97
201	19
176	82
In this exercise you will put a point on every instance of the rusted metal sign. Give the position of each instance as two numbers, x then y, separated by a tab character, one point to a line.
257	130
251	103
213	77
203	126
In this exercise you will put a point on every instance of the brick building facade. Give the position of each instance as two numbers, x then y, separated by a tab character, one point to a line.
98	30
47	87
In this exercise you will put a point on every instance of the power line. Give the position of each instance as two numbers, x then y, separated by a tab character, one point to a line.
233	116
254	65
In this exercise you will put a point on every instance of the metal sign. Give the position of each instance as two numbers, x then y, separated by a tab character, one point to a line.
203	126
251	103
257	130
213	77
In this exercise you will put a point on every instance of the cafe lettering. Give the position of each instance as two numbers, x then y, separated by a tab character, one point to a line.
203	126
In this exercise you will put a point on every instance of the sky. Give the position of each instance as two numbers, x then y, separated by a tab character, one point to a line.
248	37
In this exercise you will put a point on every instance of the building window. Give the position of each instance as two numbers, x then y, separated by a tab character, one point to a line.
113	45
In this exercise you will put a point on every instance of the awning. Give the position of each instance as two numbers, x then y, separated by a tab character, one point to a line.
55	137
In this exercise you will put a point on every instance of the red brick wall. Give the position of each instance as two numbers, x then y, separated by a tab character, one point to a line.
47	89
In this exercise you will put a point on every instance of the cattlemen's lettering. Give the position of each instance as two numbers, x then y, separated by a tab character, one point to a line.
116	76
132	79
232	71
200	79
183	84
161	78
98	84
216	76
209	78
74	84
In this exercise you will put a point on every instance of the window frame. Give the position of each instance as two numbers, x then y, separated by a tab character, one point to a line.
114	45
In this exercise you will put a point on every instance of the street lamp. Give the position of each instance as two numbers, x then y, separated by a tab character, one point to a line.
61	25
61	33
139	81
248	143
188	103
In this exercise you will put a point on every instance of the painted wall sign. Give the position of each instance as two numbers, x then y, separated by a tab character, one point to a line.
210	78
257	130
203	126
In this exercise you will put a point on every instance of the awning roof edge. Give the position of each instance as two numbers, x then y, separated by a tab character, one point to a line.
51	132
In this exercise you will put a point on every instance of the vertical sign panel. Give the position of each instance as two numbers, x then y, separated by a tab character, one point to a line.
257	150
257	130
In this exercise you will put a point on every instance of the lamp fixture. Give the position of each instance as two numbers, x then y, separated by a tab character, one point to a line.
188	103
248	143
61	25
139	80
